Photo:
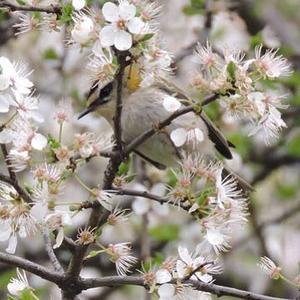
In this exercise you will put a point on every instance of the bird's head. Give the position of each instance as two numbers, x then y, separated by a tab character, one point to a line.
103	100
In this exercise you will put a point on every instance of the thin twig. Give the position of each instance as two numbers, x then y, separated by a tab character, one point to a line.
201	286
55	262
52	9
189	276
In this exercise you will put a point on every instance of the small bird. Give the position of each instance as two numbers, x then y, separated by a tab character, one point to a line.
143	108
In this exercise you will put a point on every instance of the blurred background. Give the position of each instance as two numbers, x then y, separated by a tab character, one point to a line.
273	229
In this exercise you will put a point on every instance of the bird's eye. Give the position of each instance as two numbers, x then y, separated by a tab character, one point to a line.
106	91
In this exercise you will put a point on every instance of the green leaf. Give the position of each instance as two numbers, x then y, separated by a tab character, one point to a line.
165	233
50	54
52	142
293	146
231	68
124	168
203	196
66	15
146	37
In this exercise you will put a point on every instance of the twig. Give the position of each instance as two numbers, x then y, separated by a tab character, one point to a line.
119	107
31	267
52	9
55	262
201	286
189	276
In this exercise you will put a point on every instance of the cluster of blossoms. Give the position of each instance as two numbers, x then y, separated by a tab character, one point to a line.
170	280
241	82
20	107
24	145
129	26
214	200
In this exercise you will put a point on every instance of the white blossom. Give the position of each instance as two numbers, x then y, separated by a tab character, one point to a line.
171	104
181	136
83	29
17	285
14	76
120	255
122	24
270	64
269	267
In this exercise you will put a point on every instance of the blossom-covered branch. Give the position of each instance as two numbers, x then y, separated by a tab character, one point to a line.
211	288
51	9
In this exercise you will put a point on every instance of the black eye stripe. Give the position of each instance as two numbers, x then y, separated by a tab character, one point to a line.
106	91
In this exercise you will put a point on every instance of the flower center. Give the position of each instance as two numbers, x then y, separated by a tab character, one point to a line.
121	24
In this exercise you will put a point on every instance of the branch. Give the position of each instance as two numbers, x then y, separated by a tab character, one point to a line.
55	262
52	9
205	287
31	267
271	163
119	107
99	214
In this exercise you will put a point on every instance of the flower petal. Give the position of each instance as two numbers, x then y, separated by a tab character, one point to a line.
171	104
166	290
107	35
12	244
4	82
4	105
59	238
127	11
163	276
78	4
123	40
110	12
136	25
39	142
184	255
179	136
199	135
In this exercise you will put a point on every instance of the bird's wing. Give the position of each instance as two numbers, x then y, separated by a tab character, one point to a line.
216	136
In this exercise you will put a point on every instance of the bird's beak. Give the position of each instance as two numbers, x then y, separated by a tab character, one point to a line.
85	112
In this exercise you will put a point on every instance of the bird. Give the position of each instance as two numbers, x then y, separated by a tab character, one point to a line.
143	108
